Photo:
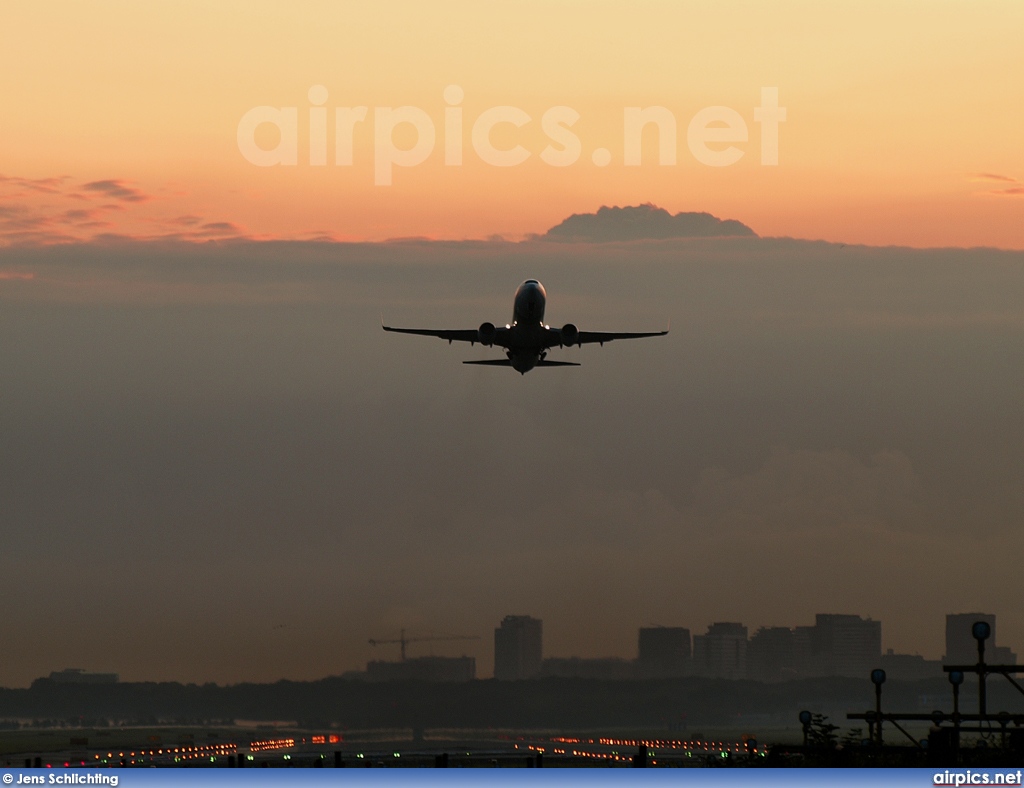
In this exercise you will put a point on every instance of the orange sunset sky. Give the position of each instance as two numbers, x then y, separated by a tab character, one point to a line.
904	120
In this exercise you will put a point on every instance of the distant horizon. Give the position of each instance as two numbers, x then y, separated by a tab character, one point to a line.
203	442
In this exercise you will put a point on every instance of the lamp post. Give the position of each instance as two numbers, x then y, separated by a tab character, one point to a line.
981	632
805	720
956	678
878	679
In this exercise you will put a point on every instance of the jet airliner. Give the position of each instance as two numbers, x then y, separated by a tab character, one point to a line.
526	339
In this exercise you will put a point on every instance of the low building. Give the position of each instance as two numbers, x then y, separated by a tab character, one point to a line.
663	652
909	667
79	676
431	669
601	668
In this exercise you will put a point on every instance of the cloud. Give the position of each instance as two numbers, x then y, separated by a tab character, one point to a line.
29	223
988	176
44	185
642	222
19	217
117	190
1016	190
195	229
220	228
42	211
82	216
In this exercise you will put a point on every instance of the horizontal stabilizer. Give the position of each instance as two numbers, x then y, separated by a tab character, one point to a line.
504	362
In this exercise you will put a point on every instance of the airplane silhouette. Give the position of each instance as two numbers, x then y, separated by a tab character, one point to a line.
526	339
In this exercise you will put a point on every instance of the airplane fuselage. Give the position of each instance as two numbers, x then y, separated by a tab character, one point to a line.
528	307
525	337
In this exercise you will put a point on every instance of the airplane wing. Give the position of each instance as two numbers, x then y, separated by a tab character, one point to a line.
587	337
558	336
504	362
452	335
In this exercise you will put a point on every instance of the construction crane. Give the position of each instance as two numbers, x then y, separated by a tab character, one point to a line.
403	640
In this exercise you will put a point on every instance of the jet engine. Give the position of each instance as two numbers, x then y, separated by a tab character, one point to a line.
570	334
486	334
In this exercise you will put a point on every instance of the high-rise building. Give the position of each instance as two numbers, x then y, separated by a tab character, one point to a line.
663	652
770	654
721	652
517	648
961	647
847	645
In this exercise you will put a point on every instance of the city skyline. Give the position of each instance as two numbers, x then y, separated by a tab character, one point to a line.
674	651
